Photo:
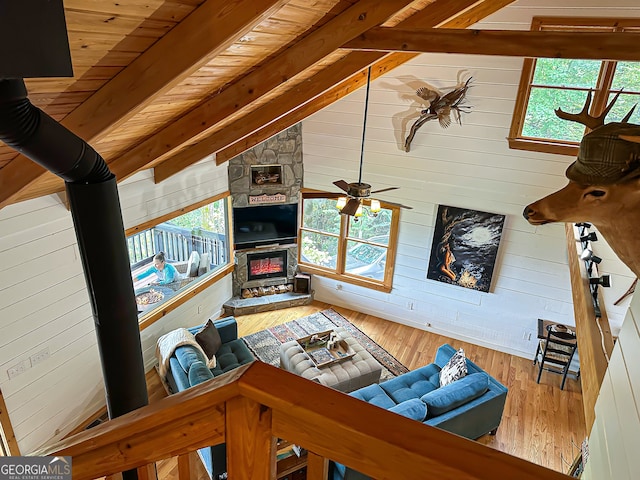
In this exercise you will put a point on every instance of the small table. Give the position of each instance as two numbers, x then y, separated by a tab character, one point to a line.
319	351
347	375
543	324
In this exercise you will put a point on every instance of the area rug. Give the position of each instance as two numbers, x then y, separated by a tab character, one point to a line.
265	344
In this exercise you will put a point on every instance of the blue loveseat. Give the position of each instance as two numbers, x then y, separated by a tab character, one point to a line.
470	407
188	367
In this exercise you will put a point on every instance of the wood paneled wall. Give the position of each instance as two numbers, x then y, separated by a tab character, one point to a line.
44	303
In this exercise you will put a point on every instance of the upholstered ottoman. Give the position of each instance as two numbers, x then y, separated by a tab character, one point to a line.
348	375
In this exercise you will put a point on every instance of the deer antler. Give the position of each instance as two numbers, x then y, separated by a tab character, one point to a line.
583	117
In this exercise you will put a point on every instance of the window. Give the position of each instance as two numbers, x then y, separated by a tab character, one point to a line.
359	251
197	252
550	83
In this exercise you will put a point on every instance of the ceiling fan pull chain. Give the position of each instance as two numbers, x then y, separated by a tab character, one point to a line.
364	122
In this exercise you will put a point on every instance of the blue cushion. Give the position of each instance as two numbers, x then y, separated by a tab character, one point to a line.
456	393
444	354
187	354
413	384
414	409
198	373
374	395
232	355
177	377
435	379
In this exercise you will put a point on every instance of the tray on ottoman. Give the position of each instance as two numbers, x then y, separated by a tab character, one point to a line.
315	346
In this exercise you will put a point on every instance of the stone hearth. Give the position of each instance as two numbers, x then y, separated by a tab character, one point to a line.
245	306
238	305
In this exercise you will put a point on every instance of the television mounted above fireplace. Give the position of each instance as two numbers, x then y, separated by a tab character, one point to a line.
263	225
266	265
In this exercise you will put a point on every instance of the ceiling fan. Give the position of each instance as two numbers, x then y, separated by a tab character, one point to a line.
356	192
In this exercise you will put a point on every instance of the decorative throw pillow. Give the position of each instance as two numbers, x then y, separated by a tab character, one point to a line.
455	368
208	338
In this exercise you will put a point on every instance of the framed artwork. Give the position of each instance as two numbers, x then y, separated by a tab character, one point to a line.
465	247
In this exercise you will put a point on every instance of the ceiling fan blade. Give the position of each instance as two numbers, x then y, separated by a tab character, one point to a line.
351	207
341	184
385	189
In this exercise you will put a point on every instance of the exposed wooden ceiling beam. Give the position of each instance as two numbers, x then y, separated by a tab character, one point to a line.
277	114
355	20
263	115
210	29
517	43
303	111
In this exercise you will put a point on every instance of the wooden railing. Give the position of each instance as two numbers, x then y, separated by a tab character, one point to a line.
252	406
177	243
595	342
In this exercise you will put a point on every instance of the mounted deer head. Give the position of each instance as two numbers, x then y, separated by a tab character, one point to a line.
604	184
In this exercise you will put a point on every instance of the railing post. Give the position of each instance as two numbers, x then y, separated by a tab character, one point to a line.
189	466
317	467
147	472
251	447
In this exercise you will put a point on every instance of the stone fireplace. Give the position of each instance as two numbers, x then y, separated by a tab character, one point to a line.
268	174
267	265
243	279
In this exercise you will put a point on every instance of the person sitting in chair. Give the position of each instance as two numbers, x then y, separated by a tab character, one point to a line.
165	272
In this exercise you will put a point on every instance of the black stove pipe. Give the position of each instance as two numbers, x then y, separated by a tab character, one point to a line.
95	208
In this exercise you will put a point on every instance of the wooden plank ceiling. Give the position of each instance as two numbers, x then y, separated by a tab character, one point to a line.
162	84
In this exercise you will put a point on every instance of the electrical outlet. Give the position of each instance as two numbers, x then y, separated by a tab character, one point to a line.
410	305
199	308
18	369
339	286
40	356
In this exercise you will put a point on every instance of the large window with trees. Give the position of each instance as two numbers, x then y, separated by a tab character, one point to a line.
550	83
179	254
359	250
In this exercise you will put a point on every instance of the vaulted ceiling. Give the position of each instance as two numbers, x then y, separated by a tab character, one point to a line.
162	84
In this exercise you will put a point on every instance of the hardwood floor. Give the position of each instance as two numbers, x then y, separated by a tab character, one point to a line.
541	423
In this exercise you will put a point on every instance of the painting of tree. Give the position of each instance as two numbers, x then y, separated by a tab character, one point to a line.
465	247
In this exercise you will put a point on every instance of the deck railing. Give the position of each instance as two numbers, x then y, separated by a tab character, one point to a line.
177	243
251	407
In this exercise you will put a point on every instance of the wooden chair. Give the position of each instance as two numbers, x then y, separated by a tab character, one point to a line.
556	351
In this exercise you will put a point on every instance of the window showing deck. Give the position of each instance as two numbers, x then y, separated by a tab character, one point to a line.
195	243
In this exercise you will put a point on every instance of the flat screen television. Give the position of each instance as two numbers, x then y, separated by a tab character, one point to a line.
262	225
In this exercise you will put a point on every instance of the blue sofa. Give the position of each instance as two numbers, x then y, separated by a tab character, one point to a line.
470	407
188	367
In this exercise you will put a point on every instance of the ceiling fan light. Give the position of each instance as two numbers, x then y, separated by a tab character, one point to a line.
342	201
358	212
375	207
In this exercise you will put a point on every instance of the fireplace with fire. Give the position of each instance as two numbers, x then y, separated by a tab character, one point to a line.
266	265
